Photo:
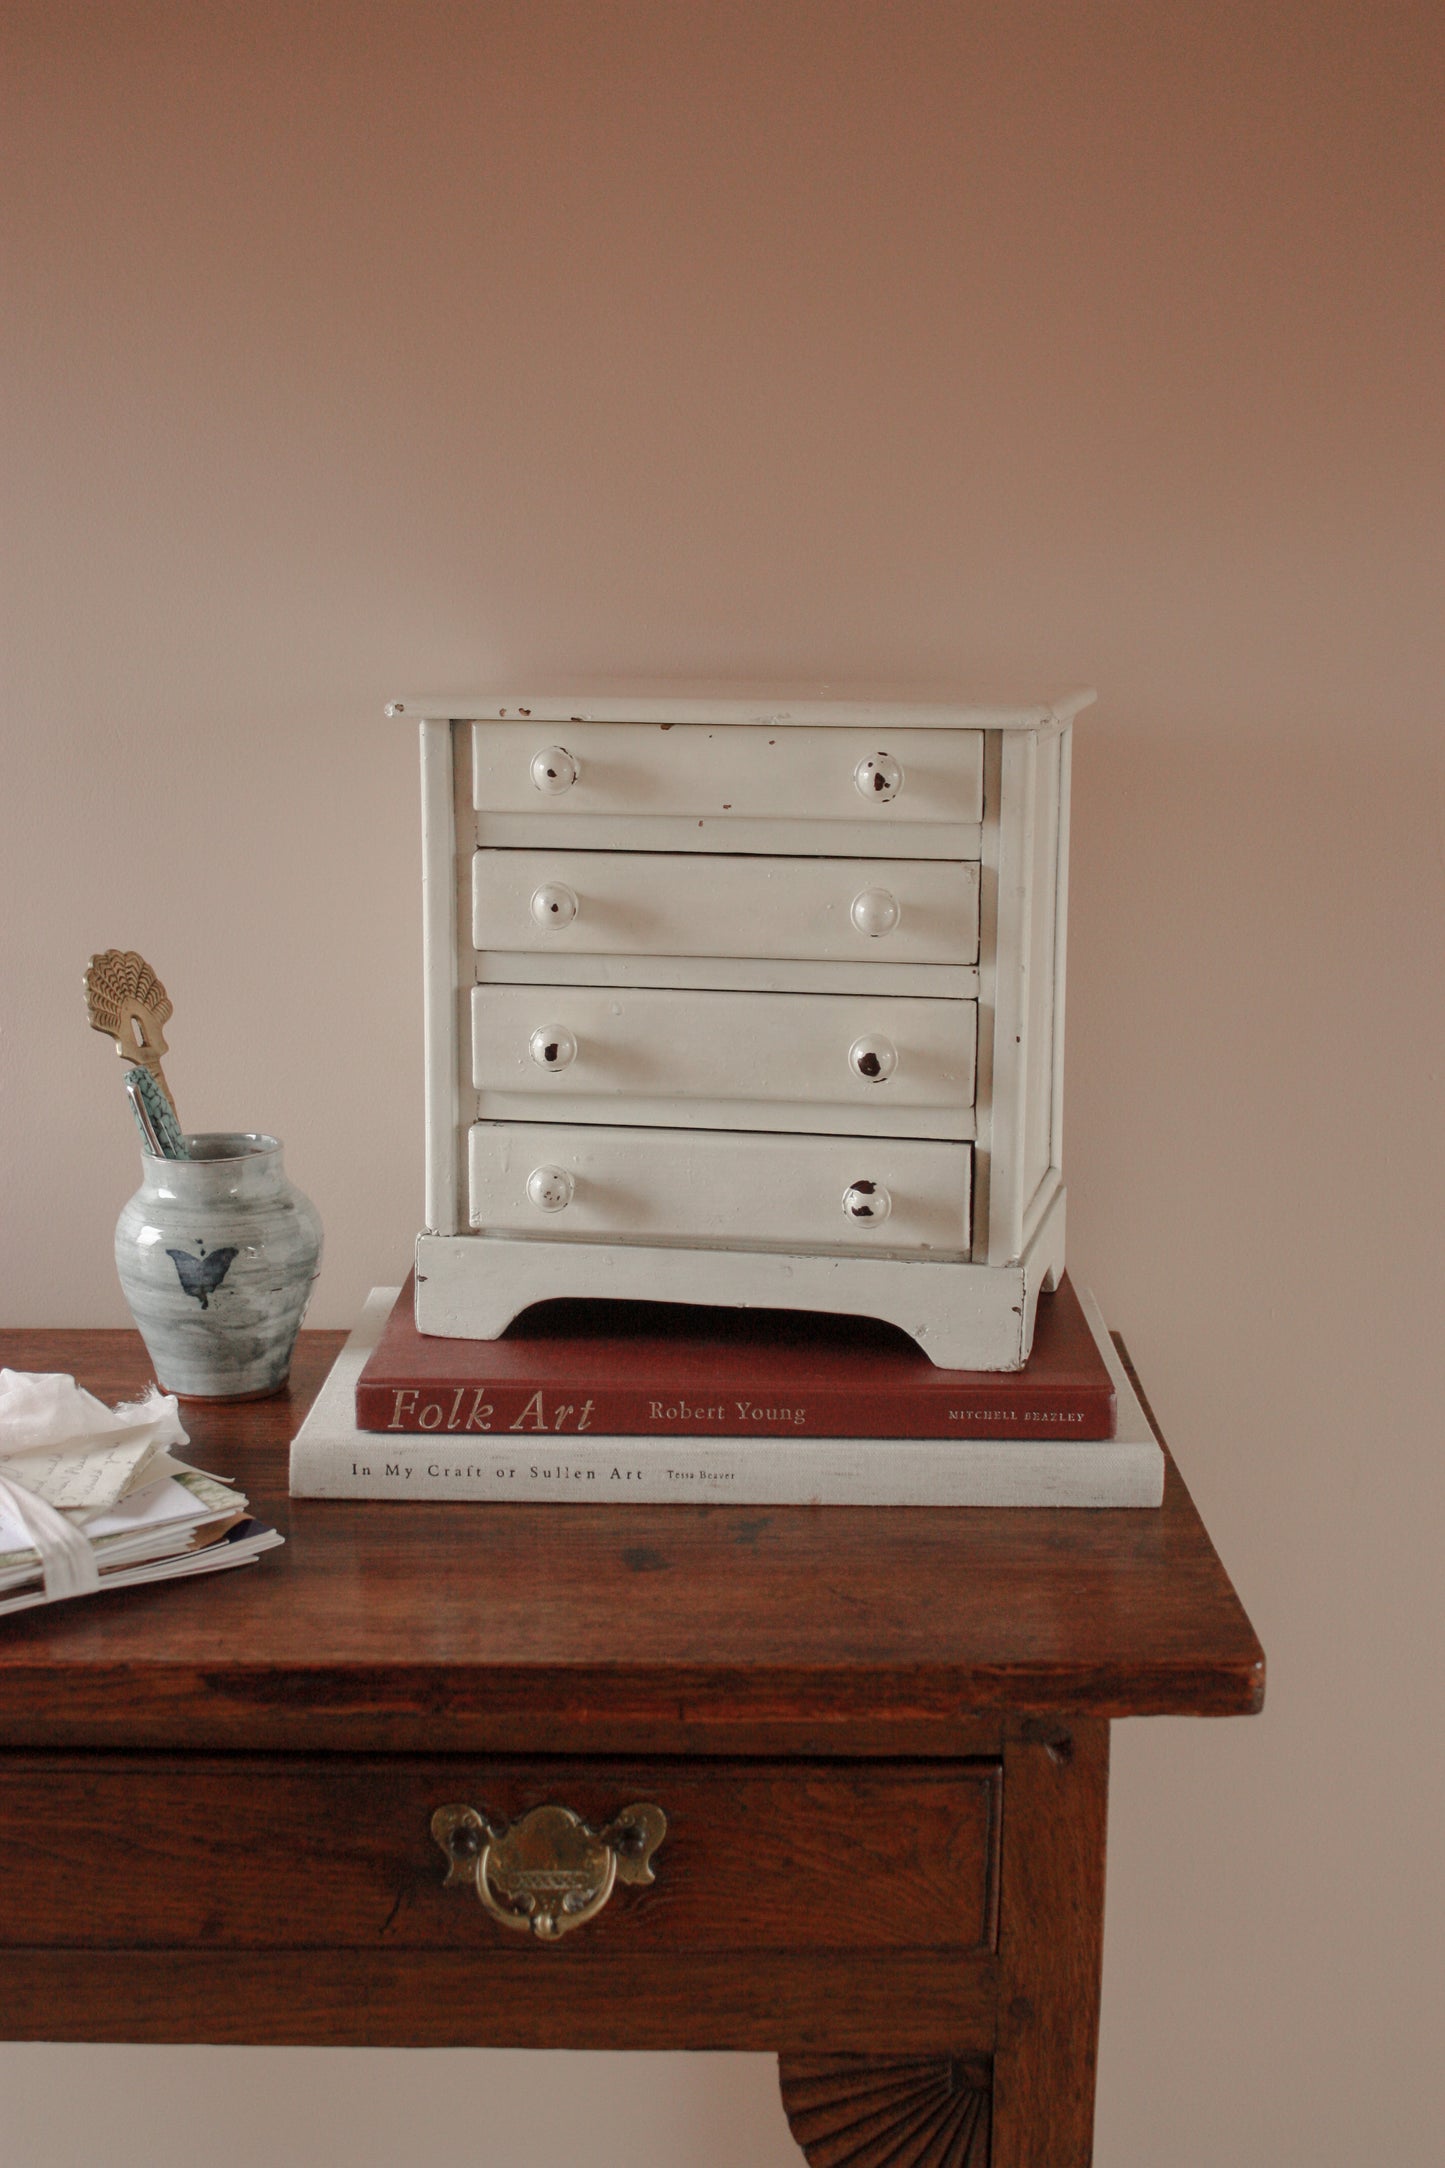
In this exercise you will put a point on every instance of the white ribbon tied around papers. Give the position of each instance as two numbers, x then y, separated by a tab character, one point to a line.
65	1457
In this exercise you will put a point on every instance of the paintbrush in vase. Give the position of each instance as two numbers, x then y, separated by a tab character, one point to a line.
125	1000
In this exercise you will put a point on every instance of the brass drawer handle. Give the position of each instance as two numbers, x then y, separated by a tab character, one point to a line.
551	1871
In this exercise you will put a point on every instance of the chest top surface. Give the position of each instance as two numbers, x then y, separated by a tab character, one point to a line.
757	703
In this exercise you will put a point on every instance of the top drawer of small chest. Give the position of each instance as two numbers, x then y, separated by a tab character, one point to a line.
905	792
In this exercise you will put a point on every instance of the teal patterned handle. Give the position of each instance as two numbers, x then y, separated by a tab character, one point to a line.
160	1131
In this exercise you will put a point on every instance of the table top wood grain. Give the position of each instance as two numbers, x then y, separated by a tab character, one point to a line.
708	1629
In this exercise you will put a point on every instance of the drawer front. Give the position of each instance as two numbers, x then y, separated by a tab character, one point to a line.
894	778
709	1187
667	903
823	1062
290	1853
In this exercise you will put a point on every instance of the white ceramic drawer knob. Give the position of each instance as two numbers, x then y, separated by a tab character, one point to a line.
878	775
553	770
554	905
873	1057
550	1188
865	1201
874	911
553	1049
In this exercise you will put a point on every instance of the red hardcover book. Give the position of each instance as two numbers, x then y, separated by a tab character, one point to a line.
651	1369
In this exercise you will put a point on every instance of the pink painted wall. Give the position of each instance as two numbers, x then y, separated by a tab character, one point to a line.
362	348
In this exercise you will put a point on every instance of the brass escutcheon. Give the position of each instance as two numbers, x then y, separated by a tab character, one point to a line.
551	1871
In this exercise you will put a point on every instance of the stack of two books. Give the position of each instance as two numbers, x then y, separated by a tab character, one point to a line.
597	1403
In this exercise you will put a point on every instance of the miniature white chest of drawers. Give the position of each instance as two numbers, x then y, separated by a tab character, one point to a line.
745	1002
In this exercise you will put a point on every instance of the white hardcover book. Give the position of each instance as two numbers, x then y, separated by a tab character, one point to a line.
331	1458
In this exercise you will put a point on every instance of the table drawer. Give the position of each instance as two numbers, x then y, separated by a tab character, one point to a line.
847	1063
671	903
297	1853
894	778
710	1187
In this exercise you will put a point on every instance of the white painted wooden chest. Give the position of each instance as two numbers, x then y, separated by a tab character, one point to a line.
745	1001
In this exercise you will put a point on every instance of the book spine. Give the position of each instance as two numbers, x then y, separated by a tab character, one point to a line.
694	1471
475	1411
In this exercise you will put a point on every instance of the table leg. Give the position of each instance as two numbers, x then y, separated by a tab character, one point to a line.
1032	2105
1051	1942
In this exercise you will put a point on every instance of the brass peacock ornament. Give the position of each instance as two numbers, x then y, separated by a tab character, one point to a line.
125	1000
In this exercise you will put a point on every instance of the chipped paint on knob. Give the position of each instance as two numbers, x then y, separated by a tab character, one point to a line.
873	1057
867	1201
874	911
554	770
554	1048
554	905
550	1188
878	776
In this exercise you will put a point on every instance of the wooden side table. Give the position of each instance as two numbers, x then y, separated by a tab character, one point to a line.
879	1740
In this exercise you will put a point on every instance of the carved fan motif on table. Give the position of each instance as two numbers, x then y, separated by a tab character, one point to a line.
905	2111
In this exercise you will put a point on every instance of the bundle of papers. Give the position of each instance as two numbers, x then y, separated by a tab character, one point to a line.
92	1498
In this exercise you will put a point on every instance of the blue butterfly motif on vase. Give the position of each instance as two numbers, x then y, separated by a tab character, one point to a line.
201	1276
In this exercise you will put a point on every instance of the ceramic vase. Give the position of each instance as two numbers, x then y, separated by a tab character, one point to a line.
217	1255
